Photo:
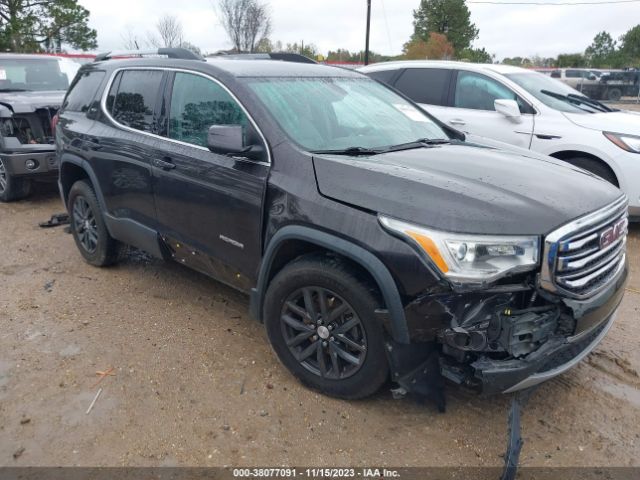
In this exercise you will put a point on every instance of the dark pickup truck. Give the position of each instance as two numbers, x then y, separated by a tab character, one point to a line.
373	241
32	88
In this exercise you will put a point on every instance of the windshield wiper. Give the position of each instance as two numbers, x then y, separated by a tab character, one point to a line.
351	151
420	143
14	90
590	101
576	101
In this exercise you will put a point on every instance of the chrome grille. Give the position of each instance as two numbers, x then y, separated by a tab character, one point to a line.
581	258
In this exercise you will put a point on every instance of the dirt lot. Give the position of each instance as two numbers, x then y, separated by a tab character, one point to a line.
197	384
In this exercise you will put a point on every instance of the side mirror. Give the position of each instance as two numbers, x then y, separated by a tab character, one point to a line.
225	139
229	140
508	108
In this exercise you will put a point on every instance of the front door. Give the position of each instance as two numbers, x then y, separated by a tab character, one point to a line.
472	110
209	206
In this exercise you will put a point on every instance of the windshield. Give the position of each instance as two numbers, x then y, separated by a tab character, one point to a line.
33	74
340	113
535	83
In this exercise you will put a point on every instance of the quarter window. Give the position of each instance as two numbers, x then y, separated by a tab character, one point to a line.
197	103
82	91
133	97
478	92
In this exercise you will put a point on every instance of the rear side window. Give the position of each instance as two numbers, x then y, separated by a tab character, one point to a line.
197	103
556	74
383	76
83	91
425	85
132	99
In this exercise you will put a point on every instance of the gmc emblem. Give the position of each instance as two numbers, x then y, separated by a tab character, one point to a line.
613	233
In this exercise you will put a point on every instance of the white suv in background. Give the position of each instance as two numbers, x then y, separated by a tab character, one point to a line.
526	109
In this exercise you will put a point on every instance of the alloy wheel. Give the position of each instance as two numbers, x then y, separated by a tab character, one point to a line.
3	178
84	223
324	333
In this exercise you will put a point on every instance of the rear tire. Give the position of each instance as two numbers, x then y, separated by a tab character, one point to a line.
596	167
12	188
89	229
614	94
320	320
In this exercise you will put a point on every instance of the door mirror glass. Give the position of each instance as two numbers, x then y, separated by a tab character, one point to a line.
508	108
226	139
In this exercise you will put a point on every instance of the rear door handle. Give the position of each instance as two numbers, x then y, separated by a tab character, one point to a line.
165	164
457	121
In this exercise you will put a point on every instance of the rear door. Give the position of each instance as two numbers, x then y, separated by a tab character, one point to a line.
427	86
122	146
472	110
209	205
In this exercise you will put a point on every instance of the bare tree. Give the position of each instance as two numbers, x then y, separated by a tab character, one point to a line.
247	22
129	40
169	33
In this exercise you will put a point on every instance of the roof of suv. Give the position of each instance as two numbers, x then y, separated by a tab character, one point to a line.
237	67
479	67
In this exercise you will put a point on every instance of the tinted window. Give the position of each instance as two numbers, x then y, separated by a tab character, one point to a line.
383	76
198	103
556	74
478	92
573	74
83	91
133	97
425	85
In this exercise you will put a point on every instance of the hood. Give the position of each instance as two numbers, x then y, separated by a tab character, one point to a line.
28	102
462	188
619	122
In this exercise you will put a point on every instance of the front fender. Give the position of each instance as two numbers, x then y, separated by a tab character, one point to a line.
364	258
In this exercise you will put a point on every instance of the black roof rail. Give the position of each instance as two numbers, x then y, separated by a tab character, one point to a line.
283	56
177	53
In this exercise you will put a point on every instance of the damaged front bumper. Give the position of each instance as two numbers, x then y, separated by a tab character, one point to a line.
485	344
41	163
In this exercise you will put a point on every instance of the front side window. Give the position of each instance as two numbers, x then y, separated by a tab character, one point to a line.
479	92
331	113
197	103
133	97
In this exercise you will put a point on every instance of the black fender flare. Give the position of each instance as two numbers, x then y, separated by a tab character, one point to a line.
364	258
84	165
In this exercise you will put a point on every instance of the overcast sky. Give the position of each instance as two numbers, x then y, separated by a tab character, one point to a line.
505	30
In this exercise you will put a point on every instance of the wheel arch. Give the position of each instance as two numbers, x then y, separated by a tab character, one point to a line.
72	169
567	154
292	241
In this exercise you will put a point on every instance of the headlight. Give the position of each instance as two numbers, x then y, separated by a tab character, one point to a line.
468	258
630	143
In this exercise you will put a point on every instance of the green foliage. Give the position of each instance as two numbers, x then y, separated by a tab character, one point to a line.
344	55
448	17
576	60
37	25
630	47
475	55
601	53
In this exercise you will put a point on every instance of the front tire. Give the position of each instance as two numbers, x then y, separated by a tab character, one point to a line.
89	229
320	320
12	188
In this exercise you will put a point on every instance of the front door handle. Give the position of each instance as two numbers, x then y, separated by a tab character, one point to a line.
165	164
457	121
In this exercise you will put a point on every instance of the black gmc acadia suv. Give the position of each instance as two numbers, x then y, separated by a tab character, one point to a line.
373	241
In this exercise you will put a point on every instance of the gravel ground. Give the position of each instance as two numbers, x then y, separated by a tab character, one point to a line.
197	384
